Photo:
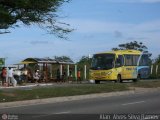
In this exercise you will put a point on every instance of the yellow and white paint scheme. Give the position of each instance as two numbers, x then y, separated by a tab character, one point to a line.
124	71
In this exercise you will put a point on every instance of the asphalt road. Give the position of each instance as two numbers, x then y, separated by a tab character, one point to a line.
140	103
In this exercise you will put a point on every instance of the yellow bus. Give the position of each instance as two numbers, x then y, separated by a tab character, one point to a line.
119	65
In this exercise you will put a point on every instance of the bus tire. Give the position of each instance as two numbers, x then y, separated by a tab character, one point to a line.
119	80
97	81
138	78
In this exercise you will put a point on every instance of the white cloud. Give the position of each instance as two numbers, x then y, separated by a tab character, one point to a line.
20	48
146	32
95	26
39	42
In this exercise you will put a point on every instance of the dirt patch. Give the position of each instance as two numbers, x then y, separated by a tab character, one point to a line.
9	94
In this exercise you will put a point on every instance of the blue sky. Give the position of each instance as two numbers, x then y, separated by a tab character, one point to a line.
99	26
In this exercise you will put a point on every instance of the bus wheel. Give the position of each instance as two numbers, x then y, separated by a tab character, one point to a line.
97	81
119	80
138	78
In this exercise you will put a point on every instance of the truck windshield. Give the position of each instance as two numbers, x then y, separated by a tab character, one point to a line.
103	61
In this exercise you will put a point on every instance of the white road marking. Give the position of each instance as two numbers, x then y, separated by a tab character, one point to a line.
34	104
38	116
134	103
66	112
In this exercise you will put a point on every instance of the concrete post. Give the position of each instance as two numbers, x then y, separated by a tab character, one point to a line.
151	69
85	72
67	70
156	69
46	67
75	71
51	72
61	72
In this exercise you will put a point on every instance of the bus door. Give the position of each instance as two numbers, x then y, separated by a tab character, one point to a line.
119	66
130	68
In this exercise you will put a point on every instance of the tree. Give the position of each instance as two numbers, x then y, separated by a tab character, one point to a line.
157	60
132	45
31	12
85	60
63	59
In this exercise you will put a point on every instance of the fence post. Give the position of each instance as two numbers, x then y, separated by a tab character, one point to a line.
51	71
61	72
156	69
67	70
151	69
85	72
75	67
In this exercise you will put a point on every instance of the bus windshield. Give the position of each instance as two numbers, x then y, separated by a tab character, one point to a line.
103	61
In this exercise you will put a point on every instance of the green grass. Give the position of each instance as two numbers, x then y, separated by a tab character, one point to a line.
8	95
36	93
147	84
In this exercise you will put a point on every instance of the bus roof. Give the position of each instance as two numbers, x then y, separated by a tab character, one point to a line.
122	52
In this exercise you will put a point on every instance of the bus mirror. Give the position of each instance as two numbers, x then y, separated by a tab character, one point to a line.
116	56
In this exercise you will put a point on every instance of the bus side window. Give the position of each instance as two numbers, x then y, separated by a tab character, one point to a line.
145	60
119	61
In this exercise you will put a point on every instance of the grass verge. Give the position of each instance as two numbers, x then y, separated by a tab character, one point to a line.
147	84
10	95
40	93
